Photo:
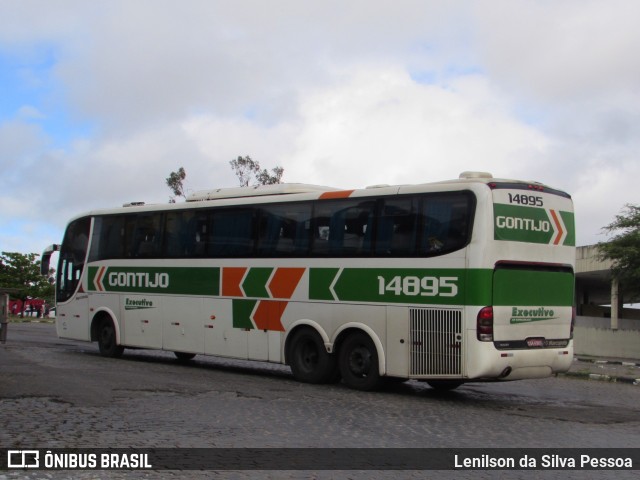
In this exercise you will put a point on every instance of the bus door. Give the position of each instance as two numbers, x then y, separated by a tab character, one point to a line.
71	297
71	317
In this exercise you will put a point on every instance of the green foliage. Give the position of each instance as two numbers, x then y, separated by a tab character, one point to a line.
624	247
246	168
175	181
22	273
265	178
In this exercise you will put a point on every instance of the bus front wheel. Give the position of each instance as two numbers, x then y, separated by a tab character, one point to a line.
107	339
310	361
359	362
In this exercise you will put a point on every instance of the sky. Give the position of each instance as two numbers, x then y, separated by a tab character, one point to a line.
101	100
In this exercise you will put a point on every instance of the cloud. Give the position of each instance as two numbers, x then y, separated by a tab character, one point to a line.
346	94
560	51
380	126
21	143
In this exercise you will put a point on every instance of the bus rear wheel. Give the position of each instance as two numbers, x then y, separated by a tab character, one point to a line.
107	343
359	362
310	361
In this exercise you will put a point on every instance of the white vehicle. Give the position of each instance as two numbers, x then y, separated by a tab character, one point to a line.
451	282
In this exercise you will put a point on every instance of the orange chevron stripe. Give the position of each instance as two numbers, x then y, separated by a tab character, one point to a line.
285	281
98	279
338	194
231	278
268	315
558	225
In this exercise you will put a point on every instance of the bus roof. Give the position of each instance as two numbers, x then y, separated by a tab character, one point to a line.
257	191
301	191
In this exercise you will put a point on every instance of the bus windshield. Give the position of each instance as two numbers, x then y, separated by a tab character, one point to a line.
72	257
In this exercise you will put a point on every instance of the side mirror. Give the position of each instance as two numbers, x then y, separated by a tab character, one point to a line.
46	258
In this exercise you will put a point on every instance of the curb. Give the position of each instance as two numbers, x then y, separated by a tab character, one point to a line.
604	377
608	362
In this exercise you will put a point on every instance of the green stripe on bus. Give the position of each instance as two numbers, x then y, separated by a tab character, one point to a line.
532	287
162	280
242	310
569	220
479	286
439	286
522	224
533	225
255	283
320	280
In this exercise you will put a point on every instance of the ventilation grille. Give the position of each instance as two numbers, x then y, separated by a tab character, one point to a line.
436	342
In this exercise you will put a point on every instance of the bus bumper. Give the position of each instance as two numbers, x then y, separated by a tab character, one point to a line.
520	364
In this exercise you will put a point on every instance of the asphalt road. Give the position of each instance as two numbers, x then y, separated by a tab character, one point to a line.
62	394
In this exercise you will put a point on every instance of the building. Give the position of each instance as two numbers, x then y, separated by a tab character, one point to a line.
603	326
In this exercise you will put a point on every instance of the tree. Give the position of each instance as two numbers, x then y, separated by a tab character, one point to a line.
264	178
175	181
22	273
624	248
246	168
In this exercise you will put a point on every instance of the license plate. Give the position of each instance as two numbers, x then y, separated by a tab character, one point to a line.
535	342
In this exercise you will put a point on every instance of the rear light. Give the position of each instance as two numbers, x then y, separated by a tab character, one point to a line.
484	325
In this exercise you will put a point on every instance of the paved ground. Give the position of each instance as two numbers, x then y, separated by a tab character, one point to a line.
58	393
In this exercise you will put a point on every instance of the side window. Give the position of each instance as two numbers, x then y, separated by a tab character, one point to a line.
284	230
146	238
446	223
108	238
342	228
397	227
179	234
231	233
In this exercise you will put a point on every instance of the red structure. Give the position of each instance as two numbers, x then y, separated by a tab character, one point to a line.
34	307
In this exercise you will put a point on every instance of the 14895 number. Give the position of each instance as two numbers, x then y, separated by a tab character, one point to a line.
414	286
522	199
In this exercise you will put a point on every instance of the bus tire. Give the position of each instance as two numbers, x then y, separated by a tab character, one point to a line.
107	339
444	385
358	361
184	356
310	361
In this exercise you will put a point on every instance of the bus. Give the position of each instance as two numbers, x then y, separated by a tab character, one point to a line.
468	280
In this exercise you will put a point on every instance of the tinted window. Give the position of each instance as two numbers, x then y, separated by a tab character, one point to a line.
284	230
231	233
108	240
184	234
397	230
146	240
445	222
342	228
416	225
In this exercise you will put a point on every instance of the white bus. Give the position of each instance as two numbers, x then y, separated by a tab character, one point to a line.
450	282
